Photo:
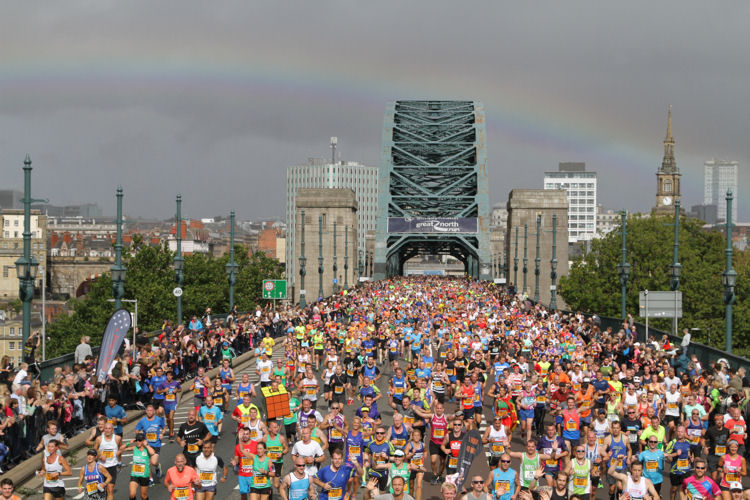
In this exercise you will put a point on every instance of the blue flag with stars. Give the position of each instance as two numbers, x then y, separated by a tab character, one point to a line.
117	328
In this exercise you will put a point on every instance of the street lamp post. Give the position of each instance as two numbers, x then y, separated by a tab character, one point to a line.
553	266
346	256
729	276
537	260
118	270
27	265
675	270
623	268
320	256
525	260
361	265
179	261
231	266
302	270
515	262
335	266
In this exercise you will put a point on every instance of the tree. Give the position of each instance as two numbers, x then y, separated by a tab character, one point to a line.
593	284
150	279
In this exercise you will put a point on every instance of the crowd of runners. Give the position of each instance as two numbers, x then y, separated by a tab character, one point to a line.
566	410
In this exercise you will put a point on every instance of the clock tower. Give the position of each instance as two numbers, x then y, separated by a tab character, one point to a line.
668	176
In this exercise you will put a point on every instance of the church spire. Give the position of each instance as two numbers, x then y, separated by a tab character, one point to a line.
668	163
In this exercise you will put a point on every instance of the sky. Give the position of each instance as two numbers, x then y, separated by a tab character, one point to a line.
216	99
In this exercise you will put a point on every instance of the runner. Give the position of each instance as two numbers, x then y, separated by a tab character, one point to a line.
110	448
140	469
181	479
54	468
154	429
93	478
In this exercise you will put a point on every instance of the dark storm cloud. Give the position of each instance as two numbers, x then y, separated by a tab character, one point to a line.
216	100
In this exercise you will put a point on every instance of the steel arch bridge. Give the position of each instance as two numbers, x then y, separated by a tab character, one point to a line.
433	195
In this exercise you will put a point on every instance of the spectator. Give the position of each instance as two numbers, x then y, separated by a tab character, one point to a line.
82	350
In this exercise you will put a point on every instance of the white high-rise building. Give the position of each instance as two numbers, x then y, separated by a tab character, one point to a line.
718	177
319	173
581	188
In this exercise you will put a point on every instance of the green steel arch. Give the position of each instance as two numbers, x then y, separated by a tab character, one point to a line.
433	175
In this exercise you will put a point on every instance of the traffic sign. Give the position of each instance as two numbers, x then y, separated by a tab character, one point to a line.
274	289
177	292
335	280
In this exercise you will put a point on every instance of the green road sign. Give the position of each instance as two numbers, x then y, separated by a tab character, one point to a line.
274	289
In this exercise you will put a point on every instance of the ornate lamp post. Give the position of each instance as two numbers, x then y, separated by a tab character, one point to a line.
537	260
231	266
179	261
335	266
346	256
525	260
27	265
553	267
118	270
515	262
623	268
320	256
675	269
729	276
302	270
361	265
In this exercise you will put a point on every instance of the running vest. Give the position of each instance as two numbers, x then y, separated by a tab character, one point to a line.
275	449
299	488
141	463
52	468
529	467
108	451
438	428
580	479
92	479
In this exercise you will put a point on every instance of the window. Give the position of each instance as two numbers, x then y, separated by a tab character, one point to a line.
12	346
15	222
667	186
12	331
7	234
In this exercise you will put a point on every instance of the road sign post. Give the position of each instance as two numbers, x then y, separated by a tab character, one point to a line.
274	289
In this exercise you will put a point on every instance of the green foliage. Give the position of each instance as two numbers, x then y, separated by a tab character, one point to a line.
150	279
593	284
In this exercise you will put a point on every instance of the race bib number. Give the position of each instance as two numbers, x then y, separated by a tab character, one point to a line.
417	462
310	391
92	487
354	451
399	443
571	426
334	494
218	401
338	389
732	477
501	487
253	433
182	493
497	448
409	420
720	450
170	398
151	436
246	461
399	390
580	482
541	399
112	421
453	462
260	481
438	433
207	477
108	454
653	465
336	434
671	406
550	462
209	417
274	455
192	448
683	463
50	477
139	469
245	419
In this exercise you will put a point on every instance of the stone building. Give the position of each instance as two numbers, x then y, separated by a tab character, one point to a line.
524	206
11	248
324	210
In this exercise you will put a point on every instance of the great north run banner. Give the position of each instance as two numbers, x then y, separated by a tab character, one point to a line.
432	225
117	327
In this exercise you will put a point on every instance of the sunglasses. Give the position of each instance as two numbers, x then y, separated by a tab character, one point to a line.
334	407
700	468
505	461
299	465
652	442
378	432
477	482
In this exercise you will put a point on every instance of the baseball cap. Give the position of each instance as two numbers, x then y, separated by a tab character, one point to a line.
398	453
139	436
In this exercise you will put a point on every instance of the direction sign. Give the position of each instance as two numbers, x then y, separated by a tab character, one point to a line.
274	289
656	304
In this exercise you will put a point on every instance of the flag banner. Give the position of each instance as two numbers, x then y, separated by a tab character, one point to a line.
470	446
433	225
117	327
